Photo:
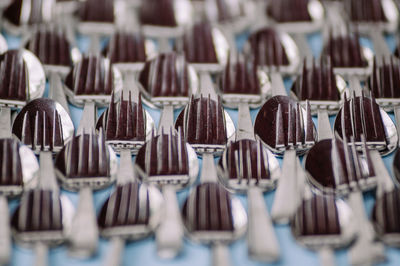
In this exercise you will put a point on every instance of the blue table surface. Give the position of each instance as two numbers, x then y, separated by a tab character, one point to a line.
143	252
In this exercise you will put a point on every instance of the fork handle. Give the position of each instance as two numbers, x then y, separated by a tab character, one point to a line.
207	86
278	86
220	255
208	170
262	242
385	182
88	119
56	91
84	231
41	254
5	122
365	250
47	178
5	233
304	48
324	126
115	252
287	193
94	47
166	119
326	256
245	126
380	46
355	85
169	235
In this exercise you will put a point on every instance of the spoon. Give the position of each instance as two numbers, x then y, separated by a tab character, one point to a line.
20	15
167	81
50	44
275	53
206	49
97	19
298	18
167	161
19	169
165	19
43	218
285	128
323	223
374	17
245	166
92	81
349	59
323	90
205	128
130	213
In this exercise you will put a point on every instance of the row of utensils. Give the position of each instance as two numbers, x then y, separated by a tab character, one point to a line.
125	126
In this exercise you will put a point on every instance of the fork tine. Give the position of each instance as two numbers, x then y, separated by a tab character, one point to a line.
279	134
291	141
249	164
241	161
309	126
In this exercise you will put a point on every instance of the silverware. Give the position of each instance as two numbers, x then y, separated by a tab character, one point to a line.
165	19
285	128
130	213
167	161
206	129
245	166
324	91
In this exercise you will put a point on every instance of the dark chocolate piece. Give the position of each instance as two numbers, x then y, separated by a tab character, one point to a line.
208	208
385	79
316	217
158	13
164	154
345	51
39	211
13	76
365	10
245	160
336	166
280	123
362	116
289	10
386	213
91	76
124	121
198	44
267	49
97	11
204	122
125	47
240	77
317	82
13	12
123	208
167	75
84	156
51	46
10	163
39	126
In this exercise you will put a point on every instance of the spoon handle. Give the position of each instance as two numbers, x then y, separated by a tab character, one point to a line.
166	119
379	42
41	254
56	91
262	242
245	126
115	254
324	126
5	233
287	193
326	256
278	87
220	255
169	235
84	231
365	251
88	119
5	122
